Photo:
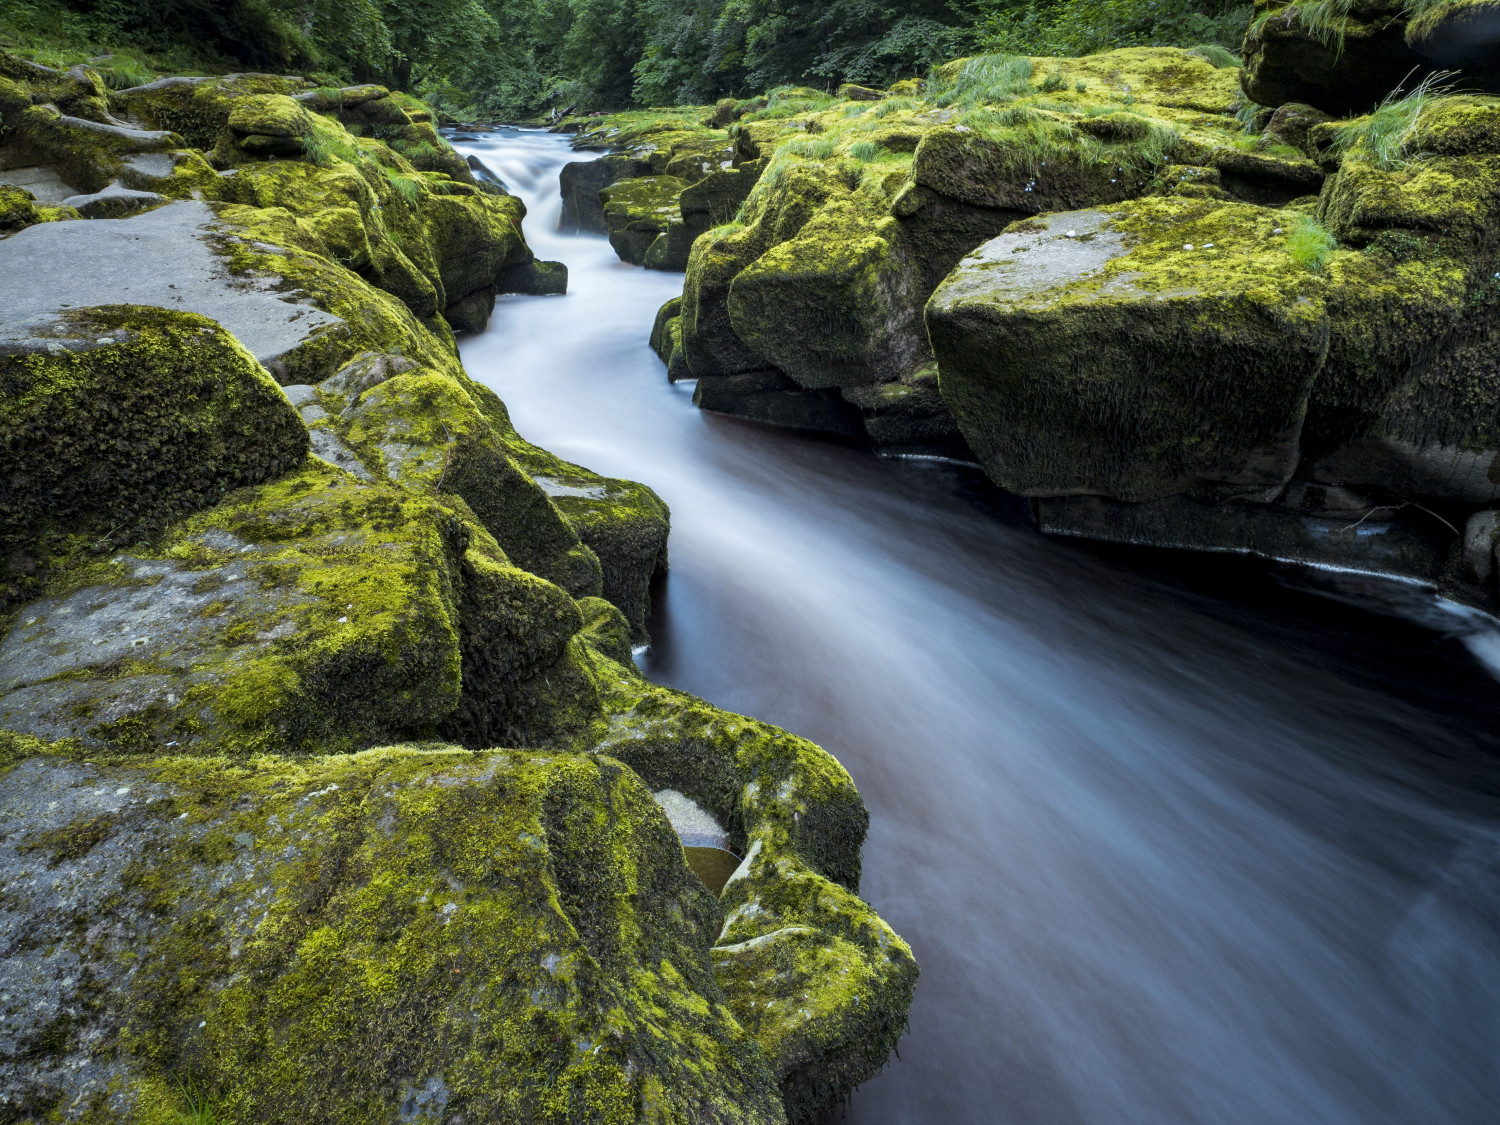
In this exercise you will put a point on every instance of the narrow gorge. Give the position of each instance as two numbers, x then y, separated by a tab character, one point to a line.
970	596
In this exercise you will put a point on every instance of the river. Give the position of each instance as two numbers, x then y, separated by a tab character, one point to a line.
1174	839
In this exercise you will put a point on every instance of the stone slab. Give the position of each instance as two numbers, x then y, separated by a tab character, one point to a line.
162	258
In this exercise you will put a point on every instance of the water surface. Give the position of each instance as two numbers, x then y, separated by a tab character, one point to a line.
1173	839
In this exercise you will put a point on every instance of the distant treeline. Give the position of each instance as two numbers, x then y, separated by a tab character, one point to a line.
519	57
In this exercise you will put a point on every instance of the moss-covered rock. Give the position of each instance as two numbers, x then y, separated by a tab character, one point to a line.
1158	347
624	523
117	420
637	211
314	613
407	934
1343	59
816	976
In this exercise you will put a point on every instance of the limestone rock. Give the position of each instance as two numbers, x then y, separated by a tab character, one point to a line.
107	261
559	958
1138	352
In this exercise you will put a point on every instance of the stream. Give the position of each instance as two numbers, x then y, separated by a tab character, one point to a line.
1173	838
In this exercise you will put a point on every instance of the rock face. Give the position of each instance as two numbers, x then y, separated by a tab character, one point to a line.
278	580
1345	59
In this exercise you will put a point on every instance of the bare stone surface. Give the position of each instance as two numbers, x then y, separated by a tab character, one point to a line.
161	258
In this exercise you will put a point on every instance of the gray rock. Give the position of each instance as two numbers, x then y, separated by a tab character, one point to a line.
42	181
1479	545
1406	468
163	258
329	447
695	826
114	202
144	170
159	614
1404	548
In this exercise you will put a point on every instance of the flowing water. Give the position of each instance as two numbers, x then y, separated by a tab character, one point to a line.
1173	839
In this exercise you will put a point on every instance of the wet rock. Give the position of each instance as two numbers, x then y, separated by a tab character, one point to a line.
113	202
237	630
772	398
1410	548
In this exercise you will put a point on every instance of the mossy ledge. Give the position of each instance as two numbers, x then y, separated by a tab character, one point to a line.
280	582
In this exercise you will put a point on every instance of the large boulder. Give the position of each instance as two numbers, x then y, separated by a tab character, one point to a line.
116	420
1158	347
637	211
408	934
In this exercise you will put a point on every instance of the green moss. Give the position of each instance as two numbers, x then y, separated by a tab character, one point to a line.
512	935
141	416
19	209
812	971
625	524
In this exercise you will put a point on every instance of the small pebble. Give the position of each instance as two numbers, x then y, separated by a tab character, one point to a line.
1187	245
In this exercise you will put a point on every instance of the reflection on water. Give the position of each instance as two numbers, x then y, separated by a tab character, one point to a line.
1174	840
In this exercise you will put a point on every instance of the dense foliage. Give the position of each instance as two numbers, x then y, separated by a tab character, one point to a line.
517	57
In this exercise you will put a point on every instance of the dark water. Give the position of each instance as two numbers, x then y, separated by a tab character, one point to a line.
1174	840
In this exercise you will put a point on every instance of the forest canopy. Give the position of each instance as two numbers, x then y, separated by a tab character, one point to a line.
512	58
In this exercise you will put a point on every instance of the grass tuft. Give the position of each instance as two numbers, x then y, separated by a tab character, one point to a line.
1384	137
1216	55
1309	244
981	79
